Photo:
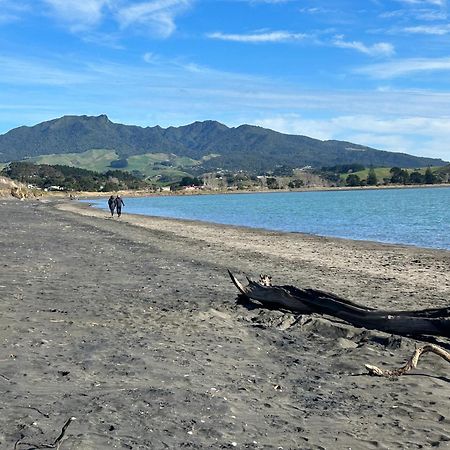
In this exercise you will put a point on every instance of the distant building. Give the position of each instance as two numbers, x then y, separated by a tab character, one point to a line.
54	188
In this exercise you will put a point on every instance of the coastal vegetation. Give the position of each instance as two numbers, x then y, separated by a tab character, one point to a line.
61	177
396	175
67	178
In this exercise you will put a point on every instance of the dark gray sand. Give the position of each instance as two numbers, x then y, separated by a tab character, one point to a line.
132	327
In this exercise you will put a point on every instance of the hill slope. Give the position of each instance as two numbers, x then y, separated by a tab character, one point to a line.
246	147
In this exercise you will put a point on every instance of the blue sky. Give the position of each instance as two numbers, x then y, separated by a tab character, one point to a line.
373	72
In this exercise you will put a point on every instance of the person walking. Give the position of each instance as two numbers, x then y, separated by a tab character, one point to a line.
119	203
112	205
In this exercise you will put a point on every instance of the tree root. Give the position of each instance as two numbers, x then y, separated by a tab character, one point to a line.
411	364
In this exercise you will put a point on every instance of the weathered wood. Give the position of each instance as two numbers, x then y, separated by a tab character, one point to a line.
411	363
433	322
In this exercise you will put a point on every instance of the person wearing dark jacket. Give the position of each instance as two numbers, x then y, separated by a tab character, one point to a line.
119	203
111	205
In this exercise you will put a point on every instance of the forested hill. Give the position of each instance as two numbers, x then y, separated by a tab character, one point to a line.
245	147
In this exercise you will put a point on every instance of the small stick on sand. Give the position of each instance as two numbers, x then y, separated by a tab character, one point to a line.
411	364
56	443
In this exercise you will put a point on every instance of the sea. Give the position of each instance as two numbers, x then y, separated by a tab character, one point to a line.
418	217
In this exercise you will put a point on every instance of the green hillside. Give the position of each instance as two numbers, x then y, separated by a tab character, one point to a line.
152	165
98	160
249	148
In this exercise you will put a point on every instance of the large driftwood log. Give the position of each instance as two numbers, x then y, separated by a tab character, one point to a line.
432	322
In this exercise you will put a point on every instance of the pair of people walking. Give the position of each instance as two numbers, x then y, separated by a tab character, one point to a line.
115	204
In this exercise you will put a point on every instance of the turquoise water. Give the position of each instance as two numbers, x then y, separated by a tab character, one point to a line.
419	217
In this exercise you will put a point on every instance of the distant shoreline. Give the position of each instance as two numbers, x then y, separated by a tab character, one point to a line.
85	195
138	193
318	215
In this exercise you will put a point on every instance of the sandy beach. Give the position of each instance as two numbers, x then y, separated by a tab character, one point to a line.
132	326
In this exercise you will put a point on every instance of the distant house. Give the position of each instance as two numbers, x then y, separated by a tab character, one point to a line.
54	188
192	188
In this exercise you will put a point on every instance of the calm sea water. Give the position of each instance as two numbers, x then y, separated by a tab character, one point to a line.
419	217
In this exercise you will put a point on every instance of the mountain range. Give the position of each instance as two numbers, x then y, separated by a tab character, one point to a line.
212	144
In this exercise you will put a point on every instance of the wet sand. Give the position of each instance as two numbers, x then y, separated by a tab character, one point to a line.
132	327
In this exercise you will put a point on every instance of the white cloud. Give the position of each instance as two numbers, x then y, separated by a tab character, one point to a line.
157	15
80	14
424	2
153	16
274	36
313	10
377	49
270	1
150	58
11	11
438	30
399	134
405	67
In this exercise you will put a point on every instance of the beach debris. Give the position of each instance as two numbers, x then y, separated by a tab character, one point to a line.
55	444
4	377
411	363
431	322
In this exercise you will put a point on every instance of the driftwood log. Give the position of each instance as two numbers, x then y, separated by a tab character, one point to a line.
425	322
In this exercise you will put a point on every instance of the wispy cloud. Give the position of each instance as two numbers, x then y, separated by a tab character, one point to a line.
154	16
399	134
11	11
439	30
16	71
269	1
405	67
377	49
159	15
424	2
79	14
273	36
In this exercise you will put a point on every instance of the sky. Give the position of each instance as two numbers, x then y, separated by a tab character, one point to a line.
372	72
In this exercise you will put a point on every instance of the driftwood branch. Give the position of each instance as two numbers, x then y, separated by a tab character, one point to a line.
412	362
56	444
431	322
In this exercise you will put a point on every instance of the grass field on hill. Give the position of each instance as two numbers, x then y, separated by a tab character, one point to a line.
95	159
149	164
384	172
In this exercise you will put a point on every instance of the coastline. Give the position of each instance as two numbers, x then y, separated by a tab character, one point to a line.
145	193
132	326
293	248
378	234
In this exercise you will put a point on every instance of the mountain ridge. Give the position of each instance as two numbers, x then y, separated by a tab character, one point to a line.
246	147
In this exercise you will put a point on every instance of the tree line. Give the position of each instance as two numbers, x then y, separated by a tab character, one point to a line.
67	178
397	176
